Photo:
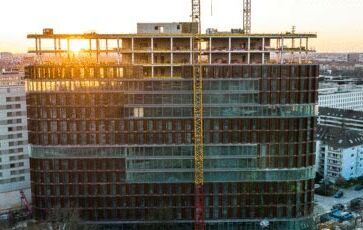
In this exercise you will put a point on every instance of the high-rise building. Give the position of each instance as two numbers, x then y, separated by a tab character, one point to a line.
14	150
115	140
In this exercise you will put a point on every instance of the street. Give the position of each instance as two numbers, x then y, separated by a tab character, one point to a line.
324	204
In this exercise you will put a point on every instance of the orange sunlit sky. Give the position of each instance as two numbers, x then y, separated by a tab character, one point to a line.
339	23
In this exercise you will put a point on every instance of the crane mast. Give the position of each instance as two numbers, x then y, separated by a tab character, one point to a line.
196	13
198	135
247	16
198	109
198	121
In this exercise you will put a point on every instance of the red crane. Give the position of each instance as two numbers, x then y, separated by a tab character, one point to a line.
25	202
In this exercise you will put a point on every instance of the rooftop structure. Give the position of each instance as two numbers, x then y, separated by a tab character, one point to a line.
114	126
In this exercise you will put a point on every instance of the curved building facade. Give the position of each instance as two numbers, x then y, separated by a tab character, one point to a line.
116	144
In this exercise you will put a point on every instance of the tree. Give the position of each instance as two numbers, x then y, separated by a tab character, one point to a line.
340	181
62	219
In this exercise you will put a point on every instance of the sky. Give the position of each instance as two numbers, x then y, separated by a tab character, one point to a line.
339	23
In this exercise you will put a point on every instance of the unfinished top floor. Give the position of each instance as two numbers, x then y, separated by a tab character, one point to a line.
162	49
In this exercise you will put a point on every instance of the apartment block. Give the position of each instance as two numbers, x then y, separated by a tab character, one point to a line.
340	153
14	151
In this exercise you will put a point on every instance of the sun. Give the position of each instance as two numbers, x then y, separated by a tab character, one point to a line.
76	46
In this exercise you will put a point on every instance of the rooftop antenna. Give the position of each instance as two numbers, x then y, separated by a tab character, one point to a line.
211	7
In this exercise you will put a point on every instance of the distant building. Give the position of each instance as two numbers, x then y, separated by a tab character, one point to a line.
14	154
353	57
346	97
340	153
341	118
6	55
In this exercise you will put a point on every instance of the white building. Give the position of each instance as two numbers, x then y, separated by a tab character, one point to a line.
14	151
340	153
341	97
341	118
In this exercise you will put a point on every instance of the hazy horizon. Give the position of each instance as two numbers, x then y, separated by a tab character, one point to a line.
337	22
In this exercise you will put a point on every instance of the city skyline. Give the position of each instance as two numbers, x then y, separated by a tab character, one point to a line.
335	21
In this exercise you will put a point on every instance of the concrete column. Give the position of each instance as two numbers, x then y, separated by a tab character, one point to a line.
152	51
59	44
40	46
68	48
171	51
300	51
90	47
249	50
191	50
229	50
210	50
36	46
307	49
132	51
118	51
282	50
106	46
55	45
171	56
263	50
97	50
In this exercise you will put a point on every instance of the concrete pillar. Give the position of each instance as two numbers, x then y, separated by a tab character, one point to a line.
97	50
106	46
210	50
132	51
263	50
36	46
118	52
59	44
55	45
68	48
191	50
281	50
90	47
249	50
171	56
152	51
229	50
300	50
40	46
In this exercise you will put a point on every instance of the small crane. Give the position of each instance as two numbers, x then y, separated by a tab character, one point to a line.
25	202
196	14
247	16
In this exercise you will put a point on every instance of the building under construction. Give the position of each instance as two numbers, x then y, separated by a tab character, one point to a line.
114	134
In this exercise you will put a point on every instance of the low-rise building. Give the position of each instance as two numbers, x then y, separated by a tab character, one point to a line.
341	97
340	153
341	118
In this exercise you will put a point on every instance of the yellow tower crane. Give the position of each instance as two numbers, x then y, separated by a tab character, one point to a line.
198	109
